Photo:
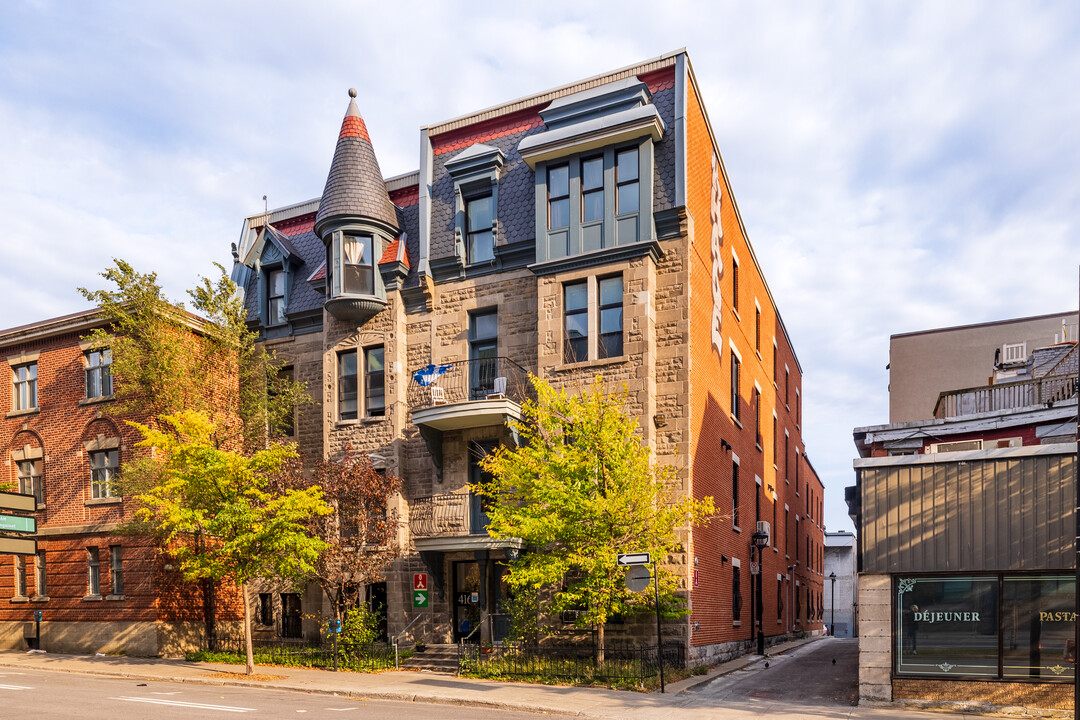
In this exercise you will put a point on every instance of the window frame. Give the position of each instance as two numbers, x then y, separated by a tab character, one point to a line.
98	366
20	584
482	370
489	229
570	355
602	352
370	383
34	479
595	346
340	393
41	588
271	320
736	380
93	572
101	476
116	570
736	592
735	494
24	395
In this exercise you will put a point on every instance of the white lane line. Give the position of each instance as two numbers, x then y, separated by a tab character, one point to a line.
165	693
181	703
341	709
15	687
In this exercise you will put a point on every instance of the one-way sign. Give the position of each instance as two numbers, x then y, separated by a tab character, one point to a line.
627	559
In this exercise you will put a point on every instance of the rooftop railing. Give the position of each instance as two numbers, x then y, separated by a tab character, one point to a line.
1006	396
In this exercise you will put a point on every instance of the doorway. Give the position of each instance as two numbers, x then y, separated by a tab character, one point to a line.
466	601
290	616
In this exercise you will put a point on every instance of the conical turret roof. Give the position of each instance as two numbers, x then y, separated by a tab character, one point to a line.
355	184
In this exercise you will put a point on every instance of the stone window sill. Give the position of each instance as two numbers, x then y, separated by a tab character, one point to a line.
93	598
20	599
736	623
372	420
346	423
40	598
22	413
585	364
97	400
115	597
736	421
736	528
104	501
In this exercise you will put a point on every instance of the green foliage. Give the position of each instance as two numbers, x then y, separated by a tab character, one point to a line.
523	608
165	359
580	489
360	627
214	510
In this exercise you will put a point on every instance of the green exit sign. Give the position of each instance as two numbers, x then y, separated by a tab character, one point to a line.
17	523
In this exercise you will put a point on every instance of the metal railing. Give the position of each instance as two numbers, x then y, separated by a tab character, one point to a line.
301	653
1005	396
447	514
397	639
578	664
468	380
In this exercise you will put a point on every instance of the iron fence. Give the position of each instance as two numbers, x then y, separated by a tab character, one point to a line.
579	664
468	380
300	653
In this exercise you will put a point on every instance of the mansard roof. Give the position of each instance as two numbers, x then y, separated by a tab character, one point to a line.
355	186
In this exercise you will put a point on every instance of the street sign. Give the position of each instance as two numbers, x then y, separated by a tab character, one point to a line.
17	523
755	568
419	581
17	501
627	559
17	546
637	578
697	578
420	598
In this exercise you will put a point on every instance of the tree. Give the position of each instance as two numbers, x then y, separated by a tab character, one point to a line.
217	514
580	489
165	359
360	536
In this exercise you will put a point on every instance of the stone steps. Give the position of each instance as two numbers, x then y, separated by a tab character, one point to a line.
434	658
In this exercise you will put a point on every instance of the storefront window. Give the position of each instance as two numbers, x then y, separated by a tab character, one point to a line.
1037	624
947	626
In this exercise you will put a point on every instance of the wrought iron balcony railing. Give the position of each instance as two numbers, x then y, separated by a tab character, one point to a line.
469	380
1006	396
447	515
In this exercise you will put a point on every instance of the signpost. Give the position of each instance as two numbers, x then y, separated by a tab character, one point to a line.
420	590
633	577
17	524
17	501
627	559
18	546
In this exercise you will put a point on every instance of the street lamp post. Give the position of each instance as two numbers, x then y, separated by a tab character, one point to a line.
832	605
760	540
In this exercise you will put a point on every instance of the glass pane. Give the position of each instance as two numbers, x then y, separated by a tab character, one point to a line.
485	326
577	326
347	385
106	380
277	311
576	350
611	291
947	626
478	214
481	247
1038	626
592	206
358	280
592	174
358	250
277	283
559	181
611	320
92	389
611	345
559	213
375	360
628	165
628	198
577	296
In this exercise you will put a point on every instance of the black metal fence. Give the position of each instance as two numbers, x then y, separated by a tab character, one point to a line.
467	380
298	653
623	665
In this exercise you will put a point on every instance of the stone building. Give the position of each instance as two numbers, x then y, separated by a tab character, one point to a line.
966	588
840	579
589	229
98	590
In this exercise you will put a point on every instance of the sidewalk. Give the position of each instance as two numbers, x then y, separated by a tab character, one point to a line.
399	685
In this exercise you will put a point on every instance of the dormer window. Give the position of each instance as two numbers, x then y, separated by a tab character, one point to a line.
358	272
479	241
276	296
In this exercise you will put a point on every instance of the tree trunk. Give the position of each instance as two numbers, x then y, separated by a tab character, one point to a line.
247	630
600	644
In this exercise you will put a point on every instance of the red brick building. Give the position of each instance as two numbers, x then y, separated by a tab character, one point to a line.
98	591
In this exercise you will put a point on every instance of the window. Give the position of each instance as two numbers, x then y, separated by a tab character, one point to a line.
949	625
41	589
483	353
592	189
627	193
479	238
798	408
736	592
576	314
116	569
558	196
775	352
358	269
98	374
266	609
611	317
775	528
787	456
104	464
779	597
796	538
774	440
93	572
757	330
757	416
735	283
735	363
287	425
735	494
30	480
25	387
787	535
582	322
347	385
787	386
275	285
20	576
757	502
374	382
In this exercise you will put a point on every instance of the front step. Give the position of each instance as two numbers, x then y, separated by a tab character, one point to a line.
434	658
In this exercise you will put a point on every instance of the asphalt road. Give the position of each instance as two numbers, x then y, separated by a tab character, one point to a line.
70	696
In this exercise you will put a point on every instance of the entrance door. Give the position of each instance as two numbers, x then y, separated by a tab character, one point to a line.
290	616
466	605
376	597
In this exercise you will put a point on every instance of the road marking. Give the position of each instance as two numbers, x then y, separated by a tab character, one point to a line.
340	709
165	693
15	687
181	703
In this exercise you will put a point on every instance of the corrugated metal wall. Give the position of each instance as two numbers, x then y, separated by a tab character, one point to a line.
971	511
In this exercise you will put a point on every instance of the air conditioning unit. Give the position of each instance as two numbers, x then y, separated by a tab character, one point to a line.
1003	443
958	446
1014	352
763	527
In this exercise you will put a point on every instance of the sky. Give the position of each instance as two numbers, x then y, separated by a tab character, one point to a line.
899	166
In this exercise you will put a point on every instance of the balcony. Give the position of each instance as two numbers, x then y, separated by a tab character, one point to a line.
452	521
1006	396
